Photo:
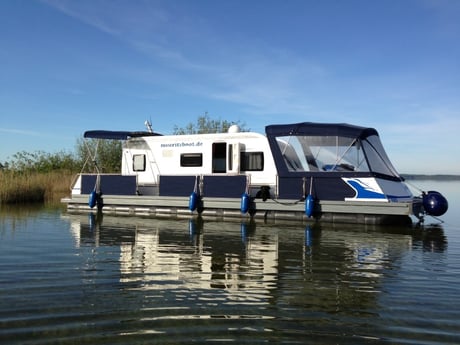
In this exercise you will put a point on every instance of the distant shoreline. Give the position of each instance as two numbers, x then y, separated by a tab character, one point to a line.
435	177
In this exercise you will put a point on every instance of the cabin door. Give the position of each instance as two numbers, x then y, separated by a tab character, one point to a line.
219	157
234	158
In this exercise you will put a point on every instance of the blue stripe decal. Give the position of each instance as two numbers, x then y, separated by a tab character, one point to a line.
364	191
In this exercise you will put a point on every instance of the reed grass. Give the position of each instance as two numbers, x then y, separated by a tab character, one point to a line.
31	187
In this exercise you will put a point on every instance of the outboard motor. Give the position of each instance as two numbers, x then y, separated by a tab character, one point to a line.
434	203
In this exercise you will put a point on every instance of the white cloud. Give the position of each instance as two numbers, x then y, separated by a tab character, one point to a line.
268	81
114	17
21	132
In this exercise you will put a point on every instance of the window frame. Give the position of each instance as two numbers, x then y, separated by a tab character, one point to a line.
245	165
138	165
191	159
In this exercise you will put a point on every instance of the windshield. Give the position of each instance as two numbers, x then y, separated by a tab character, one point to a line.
334	153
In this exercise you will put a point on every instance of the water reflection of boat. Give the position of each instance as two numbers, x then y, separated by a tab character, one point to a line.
325	267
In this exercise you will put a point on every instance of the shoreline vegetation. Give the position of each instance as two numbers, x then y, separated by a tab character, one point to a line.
50	187
34	187
434	177
41	177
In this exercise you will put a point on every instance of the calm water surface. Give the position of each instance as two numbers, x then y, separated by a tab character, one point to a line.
68	279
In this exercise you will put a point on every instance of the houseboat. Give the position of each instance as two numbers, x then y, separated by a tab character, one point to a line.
302	171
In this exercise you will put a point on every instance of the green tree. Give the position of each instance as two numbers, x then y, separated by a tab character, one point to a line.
99	155
205	124
42	162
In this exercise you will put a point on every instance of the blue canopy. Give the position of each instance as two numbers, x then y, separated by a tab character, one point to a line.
116	135
321	129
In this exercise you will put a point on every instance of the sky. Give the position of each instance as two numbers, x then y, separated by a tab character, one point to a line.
69	66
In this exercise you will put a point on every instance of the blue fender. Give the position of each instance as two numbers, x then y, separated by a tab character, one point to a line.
245	203
435	203
92	199
193	201
309	205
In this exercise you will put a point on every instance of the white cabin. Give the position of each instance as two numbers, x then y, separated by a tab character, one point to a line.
231	153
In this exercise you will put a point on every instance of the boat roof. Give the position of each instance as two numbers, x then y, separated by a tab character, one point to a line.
117	135
320	129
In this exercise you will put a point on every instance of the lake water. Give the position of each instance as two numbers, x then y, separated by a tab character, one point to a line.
69	279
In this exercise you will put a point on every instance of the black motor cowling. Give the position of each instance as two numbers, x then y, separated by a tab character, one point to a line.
434	203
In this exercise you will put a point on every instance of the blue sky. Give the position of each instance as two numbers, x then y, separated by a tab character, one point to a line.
70	66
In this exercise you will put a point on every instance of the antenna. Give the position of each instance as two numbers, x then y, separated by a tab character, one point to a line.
148	125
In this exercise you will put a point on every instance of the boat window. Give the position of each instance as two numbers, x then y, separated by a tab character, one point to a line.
322	153
191	160
377	157
252	161
138	162
292	152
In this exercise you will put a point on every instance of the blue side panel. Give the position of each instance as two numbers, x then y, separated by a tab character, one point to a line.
213	186
110	184
224	186
323	188
291	188
176	185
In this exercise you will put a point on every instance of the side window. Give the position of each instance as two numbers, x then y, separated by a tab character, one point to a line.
252	161
191	160
139	163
